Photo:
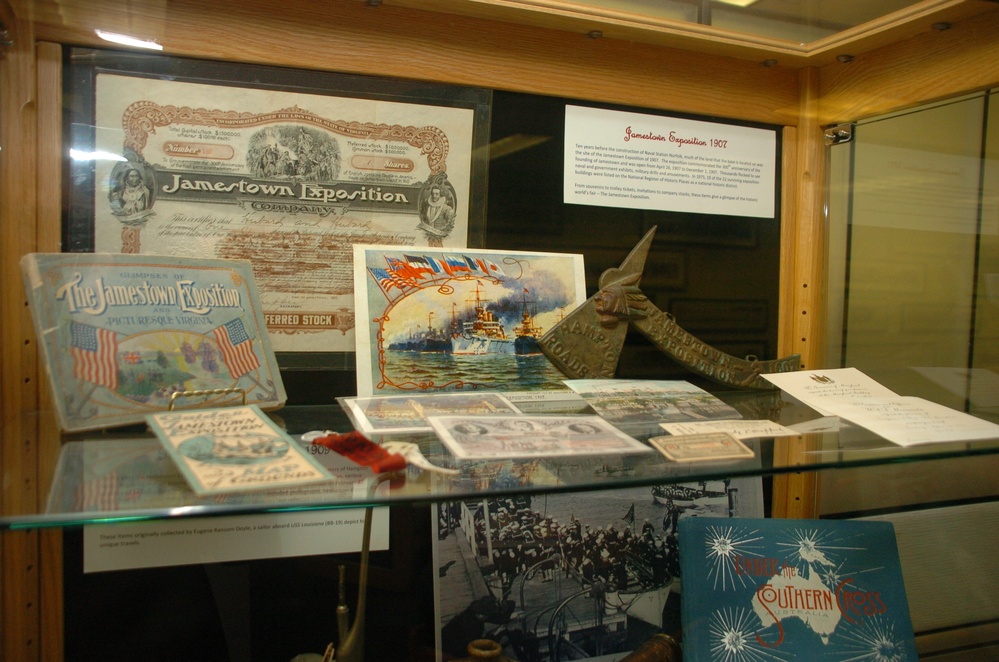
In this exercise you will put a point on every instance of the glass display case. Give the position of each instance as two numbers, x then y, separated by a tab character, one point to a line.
820	287
133	458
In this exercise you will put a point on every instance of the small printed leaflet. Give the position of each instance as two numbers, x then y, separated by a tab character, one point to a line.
781	589
234	449
743	429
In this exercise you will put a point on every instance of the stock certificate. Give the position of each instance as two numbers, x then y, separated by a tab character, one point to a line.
289	181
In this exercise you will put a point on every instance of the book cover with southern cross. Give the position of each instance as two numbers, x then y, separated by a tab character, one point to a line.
122	334
782	589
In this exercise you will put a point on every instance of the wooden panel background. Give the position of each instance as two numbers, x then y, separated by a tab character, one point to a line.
406	42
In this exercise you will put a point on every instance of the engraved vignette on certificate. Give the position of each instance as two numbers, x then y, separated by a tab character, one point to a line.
289	181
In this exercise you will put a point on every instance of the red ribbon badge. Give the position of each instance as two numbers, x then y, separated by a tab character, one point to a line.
357	448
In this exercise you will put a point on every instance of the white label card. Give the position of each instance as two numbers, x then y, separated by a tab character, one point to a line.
639	161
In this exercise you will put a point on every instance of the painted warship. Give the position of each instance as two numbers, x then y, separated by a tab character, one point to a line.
480	333
483	333
527	333
431	341
436	341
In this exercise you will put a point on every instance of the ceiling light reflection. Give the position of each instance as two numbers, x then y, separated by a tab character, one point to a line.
80	155
125	40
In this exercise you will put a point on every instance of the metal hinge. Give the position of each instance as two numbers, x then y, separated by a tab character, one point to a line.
5	40
838	134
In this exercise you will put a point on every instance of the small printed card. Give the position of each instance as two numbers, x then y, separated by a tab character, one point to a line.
493	437
754	429
234	449
703	447
638	406
408	413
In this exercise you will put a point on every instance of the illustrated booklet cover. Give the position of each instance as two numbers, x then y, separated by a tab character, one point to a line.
234	449
121	334
779	589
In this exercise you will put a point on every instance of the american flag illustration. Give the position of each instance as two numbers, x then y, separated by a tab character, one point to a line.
94	351
236	347
388	279
98	493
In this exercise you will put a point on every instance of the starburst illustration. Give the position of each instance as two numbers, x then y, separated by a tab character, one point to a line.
812	550
724	544
732	633
831	576
874	640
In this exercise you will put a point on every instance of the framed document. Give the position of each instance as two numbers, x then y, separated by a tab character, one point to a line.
284	168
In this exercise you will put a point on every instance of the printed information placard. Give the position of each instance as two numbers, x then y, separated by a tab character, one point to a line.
639	161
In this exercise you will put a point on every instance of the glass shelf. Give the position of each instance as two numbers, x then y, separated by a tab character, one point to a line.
124	475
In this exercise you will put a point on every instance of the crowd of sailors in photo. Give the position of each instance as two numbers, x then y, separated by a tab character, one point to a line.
526	542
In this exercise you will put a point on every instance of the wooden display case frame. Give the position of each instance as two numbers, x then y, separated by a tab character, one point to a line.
933	50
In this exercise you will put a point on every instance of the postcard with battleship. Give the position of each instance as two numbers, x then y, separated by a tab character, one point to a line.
441	320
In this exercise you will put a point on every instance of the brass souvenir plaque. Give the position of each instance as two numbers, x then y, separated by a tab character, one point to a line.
587	343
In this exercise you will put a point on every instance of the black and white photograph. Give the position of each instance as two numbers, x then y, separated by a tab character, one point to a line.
587	575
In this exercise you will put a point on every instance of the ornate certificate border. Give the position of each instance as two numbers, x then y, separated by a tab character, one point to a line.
286	169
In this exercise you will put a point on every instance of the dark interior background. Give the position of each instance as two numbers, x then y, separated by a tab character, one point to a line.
717	275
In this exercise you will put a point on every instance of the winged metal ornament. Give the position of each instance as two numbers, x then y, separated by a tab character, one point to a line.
587	343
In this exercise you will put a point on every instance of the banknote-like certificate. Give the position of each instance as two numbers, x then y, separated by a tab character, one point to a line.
289	181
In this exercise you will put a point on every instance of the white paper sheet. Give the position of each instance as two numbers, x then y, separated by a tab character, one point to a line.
855	397
908	421
816	388
641	161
